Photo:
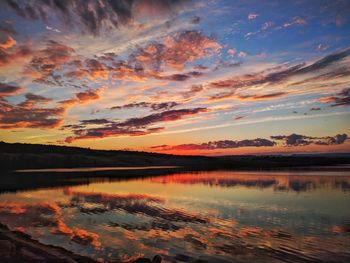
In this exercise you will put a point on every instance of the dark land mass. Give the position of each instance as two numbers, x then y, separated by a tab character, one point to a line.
14	156
18	247
18	156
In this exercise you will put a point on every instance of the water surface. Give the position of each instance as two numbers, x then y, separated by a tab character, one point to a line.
301	216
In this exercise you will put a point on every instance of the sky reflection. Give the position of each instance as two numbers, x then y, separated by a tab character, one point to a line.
210	216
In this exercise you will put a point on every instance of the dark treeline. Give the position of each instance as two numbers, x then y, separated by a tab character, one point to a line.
27	156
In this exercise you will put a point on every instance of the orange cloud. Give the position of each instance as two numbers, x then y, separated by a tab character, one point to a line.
89	95
31	114
341	99
9	57
175	52
10	42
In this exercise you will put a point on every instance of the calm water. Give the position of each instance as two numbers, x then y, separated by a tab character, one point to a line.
194	217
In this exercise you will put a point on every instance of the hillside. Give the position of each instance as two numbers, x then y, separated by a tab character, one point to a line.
26	156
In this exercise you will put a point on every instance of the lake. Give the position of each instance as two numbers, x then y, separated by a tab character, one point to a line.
216	216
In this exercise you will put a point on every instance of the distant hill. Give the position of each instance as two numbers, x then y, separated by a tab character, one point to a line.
27	156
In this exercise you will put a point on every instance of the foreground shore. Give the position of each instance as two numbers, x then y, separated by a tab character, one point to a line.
19	247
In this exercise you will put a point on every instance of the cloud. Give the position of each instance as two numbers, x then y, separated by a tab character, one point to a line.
97	69
192	91
302	140
46	61
53	29
153	106
144	63
315	109
15	54
95	121
287	141
341	99
230	95
171	115
252	16
174	52
180	77
222	95
242	54
223	144
32	113
28	115
277	76
322	47
8	90
137	126
295	21
90	16
231	52
263	96
89	95
32	100
267	26
195	20
9	43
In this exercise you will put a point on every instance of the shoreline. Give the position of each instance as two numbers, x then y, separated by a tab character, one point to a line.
17	247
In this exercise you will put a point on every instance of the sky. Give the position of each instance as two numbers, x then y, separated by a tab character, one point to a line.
183	77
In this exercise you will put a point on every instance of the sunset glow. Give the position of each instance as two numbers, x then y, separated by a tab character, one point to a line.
182	77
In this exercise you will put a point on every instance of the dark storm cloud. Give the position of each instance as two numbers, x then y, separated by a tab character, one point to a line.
91	16
153	106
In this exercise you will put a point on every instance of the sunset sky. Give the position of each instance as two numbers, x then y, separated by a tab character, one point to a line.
187	77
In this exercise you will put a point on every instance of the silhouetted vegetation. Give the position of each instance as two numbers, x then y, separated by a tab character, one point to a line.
28	156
